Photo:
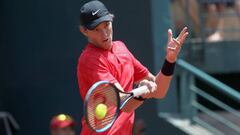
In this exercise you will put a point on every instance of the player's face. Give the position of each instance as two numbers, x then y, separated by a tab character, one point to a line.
63	131
101	36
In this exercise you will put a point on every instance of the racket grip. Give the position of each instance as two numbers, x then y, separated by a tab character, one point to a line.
139	91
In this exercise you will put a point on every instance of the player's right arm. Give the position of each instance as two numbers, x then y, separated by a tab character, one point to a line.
92	69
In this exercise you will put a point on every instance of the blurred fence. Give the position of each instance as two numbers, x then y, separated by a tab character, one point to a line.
225	121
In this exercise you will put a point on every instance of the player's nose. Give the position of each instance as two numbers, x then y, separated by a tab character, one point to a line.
104	32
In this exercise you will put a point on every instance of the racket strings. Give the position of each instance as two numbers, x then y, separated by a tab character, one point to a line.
103	94
104	122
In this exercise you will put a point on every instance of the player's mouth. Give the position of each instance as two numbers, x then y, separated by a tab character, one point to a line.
105	40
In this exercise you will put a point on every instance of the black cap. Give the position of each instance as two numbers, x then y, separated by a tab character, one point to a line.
93	13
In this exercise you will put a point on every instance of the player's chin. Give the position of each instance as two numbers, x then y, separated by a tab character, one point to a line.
107	44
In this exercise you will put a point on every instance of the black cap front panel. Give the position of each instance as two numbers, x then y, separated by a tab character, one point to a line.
92	11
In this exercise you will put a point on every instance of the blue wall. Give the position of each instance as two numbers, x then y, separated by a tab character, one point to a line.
40	45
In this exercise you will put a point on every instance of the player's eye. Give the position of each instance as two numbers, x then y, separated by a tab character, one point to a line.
96	29
107	24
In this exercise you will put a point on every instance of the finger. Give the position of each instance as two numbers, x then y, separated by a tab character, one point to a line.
169	35
149	86
153	86
172	46
184	30
182	40
143	82
176	42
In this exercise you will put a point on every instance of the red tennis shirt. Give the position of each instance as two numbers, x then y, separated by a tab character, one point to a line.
115	65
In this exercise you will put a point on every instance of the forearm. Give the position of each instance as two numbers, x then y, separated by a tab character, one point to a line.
164	77
132	105
163	83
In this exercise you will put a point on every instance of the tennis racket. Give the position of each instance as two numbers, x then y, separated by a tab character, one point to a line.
103	103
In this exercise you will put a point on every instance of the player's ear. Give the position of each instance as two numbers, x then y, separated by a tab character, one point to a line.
83	30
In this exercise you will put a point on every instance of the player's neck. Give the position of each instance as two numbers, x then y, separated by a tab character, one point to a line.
99	46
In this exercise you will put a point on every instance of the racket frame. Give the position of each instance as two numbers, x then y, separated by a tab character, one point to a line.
90	91
120	104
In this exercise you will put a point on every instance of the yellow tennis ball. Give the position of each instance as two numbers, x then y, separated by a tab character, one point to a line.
101	111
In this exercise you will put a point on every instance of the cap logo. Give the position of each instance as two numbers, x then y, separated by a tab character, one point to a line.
94	13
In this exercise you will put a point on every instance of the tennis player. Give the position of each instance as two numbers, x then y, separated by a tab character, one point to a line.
104	59
62	124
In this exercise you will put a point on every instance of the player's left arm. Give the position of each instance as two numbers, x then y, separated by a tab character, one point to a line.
164	77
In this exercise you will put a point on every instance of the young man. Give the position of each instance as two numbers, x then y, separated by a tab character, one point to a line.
62	124
104	59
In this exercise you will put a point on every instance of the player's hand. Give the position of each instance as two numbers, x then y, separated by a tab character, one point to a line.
174	44
152	88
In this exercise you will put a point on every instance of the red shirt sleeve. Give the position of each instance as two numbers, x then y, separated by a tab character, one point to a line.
140	71
91	70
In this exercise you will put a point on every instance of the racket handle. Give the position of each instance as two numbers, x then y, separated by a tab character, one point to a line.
139	91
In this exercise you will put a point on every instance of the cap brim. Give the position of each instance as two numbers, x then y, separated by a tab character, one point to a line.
94	24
